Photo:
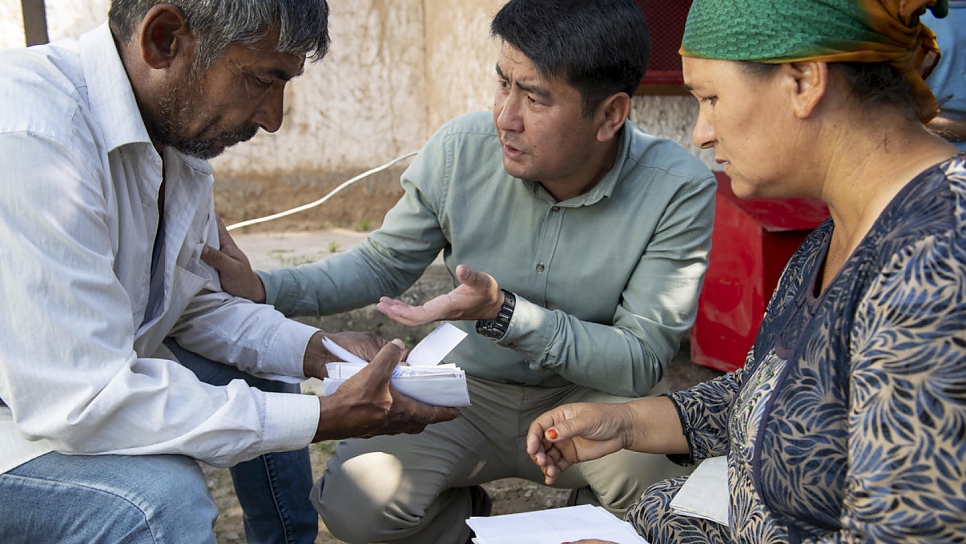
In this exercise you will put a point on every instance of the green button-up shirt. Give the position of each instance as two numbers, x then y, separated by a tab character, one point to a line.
606	283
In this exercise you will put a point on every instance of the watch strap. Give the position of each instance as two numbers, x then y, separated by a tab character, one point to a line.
495	329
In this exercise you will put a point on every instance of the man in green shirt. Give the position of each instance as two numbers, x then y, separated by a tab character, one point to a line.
577	244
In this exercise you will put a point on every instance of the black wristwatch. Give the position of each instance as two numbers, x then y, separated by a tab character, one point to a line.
495	329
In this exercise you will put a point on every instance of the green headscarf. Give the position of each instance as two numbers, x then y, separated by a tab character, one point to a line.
777	31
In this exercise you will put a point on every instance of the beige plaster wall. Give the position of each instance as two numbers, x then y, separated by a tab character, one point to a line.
671	117
460	57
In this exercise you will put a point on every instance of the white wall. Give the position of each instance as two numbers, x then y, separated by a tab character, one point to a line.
11	24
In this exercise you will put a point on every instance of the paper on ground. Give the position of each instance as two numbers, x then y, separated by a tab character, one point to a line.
705	493
554	526
442	385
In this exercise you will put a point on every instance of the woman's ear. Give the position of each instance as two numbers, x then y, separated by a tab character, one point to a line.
164	36
612	112
808	83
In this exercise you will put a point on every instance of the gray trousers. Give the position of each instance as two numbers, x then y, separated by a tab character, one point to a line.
413	488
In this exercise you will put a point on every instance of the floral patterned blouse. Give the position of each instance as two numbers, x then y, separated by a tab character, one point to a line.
848	421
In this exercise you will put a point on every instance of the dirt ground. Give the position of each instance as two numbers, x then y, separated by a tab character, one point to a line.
509	496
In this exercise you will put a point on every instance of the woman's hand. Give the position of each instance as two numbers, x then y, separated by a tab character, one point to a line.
577	432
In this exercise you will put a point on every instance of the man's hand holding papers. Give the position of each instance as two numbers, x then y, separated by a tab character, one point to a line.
366	404
422	378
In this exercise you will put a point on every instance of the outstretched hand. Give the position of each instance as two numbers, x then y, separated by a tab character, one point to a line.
366	405
579	432
477	297
234	270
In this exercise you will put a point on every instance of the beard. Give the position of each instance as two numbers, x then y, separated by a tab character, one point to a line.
169	126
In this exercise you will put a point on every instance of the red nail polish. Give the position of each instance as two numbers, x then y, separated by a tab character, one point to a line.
552	433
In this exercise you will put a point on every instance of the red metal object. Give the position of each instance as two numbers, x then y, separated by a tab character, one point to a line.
750	245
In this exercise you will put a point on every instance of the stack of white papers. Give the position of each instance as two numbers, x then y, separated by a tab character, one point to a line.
424	379
705	493
554	526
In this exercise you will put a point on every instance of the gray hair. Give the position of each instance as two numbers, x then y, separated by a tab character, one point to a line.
216	24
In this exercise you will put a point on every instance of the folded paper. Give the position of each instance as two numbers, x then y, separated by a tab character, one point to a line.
422	378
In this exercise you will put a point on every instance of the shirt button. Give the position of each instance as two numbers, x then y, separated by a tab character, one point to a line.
540	268
555	209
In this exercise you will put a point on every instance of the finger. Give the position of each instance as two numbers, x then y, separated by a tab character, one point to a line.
535	438
405	314
565	430
405	356
550	474
386	360
387	305
224	238
438	414
235	253
411	416
216	258
543	424
420	412
473	278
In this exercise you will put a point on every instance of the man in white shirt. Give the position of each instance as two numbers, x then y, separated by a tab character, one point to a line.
105	207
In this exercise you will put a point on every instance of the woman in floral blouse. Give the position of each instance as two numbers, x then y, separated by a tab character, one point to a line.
848	421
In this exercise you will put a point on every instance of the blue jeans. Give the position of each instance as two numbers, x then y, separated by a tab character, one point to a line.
273	489
79	499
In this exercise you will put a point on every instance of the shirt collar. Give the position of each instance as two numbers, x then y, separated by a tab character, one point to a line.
605	188
608	183
111	98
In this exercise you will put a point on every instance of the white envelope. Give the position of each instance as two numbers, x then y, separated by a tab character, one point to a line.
440	385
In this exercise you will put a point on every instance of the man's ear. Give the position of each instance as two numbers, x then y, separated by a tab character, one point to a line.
164	36
612	113
808	82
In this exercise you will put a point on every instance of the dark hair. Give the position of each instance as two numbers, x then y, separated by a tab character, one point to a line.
879	84
601	47
303	25
872	84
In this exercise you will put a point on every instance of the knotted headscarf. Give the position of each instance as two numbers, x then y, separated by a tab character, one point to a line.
777	31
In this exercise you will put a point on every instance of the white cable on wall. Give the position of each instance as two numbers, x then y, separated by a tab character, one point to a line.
324	198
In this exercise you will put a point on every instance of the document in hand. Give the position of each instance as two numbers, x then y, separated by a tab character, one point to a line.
705	493
554	526
424	379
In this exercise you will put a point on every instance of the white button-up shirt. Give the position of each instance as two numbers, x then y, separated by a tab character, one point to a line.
82	366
